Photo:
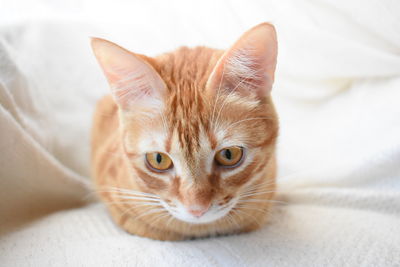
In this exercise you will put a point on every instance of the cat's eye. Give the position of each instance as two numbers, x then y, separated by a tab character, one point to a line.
230	156
159	161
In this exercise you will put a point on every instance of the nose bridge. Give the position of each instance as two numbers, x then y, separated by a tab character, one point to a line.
200	195
197	194
195	190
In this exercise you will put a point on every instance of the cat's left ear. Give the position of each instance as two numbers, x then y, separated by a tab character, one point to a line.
134	82
248	67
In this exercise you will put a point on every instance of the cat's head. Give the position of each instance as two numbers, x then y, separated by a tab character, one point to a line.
198	125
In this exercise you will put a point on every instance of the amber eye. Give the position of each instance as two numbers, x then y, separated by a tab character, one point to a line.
159	161
229	156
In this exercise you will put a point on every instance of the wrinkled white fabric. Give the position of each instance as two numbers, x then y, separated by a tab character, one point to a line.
337	92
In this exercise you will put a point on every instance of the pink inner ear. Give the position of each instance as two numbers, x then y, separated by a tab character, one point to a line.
247	71
131	88
248	66
133	81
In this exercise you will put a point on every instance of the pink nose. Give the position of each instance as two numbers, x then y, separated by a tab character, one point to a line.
198	211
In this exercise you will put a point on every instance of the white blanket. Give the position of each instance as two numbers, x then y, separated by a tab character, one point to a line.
337	92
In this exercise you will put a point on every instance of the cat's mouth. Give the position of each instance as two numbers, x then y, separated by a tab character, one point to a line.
214	213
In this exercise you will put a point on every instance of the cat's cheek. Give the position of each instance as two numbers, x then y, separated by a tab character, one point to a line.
168	192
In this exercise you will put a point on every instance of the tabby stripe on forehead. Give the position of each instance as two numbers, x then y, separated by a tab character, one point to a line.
152	182
168	141
212	138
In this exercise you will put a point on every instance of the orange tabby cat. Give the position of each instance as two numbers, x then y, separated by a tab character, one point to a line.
185	146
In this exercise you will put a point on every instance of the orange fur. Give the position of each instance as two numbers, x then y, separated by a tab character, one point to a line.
193	109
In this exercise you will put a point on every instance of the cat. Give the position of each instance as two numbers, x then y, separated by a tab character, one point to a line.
184	146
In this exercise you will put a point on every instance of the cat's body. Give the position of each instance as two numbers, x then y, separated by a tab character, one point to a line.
190	107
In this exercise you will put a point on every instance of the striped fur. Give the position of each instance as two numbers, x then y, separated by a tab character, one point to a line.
210	99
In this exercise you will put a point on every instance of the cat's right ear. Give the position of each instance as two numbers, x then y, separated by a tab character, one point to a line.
133	81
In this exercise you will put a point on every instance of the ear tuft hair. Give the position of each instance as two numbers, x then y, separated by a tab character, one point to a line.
248	67
133	81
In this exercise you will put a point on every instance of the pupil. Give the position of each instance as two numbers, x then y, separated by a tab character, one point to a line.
228	154
158	158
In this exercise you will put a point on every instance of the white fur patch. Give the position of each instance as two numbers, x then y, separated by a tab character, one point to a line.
214	213
243	66
136	90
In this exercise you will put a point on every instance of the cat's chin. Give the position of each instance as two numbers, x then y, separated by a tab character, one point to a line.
202	220
212	215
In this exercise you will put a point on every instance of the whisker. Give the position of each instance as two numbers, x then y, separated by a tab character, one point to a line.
230	93
138	198
232	220
96	192
169	221
151	211
127	210
127	196
256	192
251	208
135	203
256	189
132	191
248	215
262	201
163	215
248	119
217	98
222	207
256	185
164	122
118	193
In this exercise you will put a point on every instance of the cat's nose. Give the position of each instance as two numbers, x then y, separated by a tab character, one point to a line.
197	210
